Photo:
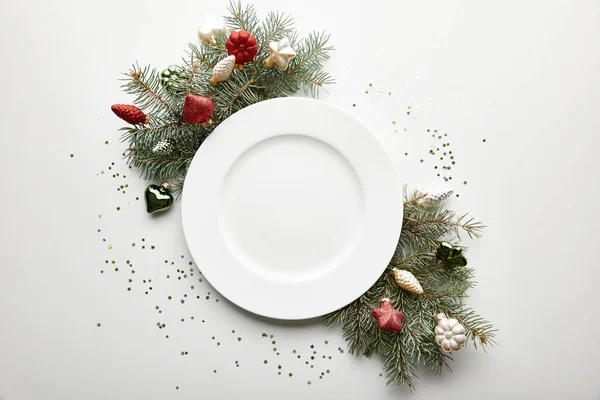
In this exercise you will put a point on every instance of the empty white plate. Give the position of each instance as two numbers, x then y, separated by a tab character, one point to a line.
291	208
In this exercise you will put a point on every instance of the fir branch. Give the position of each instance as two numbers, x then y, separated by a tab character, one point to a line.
146	84
241	17
445	290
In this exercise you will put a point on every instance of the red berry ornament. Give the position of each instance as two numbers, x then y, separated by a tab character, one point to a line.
388	318
197	109
242	45
129	113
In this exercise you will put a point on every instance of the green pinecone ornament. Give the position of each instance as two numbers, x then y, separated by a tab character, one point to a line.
158	198
171	78
450	255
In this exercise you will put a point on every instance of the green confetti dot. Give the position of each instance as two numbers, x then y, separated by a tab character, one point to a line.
106	142
366	92
197	297
116	269
265	362
239	339
290	374
129	289
170	297
428	130
110	246
405	154
393	122
484	140
353	105
137	198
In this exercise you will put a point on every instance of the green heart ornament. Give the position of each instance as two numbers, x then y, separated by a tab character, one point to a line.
158	198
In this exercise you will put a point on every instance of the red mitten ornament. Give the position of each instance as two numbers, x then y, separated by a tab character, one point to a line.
388	318
197	109
242	45
130	114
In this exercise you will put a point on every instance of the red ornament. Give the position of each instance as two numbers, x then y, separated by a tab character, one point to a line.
197	109
242	45
388	318
130	114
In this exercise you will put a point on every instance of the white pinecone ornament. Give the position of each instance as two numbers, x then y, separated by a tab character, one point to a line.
407	281
163	147
222	70
434	198
449	334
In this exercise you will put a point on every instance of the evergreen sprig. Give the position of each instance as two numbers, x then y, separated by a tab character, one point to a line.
444	291
243	88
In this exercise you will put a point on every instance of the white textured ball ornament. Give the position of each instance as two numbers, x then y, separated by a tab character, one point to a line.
222	70
449	334
407	281
434	198
209	30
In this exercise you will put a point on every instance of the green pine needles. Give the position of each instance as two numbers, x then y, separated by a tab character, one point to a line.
162	95
444	291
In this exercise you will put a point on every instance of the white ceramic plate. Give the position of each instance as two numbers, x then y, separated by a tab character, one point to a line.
291	208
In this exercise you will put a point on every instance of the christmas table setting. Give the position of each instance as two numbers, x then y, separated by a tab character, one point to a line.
280	200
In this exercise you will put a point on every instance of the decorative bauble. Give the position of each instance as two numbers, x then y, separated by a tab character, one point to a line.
280	54
434	198
450	255
163	147
388	318
209	30
449	334
222	70
197	109
172	79
242	45
158	198
407	281
130	114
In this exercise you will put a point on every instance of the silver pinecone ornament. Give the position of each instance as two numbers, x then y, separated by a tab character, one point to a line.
449	334
407	281
163	147
434	198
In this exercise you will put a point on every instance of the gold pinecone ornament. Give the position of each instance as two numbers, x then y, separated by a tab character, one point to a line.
407	281
222	70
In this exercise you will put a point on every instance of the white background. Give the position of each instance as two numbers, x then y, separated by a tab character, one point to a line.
522	75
